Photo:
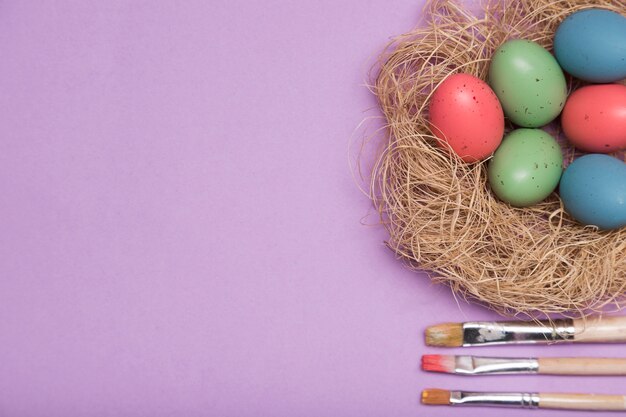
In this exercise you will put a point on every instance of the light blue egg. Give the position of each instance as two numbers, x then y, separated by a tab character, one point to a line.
591	45
593	191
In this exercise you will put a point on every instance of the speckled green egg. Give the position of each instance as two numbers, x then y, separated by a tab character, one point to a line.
526	168
529	83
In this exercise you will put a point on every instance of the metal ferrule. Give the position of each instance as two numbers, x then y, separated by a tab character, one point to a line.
479	365
495	399
489	333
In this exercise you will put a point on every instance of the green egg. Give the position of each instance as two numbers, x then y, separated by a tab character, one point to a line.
529	83
526	168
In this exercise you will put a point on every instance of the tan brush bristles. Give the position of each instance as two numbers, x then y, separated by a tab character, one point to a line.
436	396
439	212
445	334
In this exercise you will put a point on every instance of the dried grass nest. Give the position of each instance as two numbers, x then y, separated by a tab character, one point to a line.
439	211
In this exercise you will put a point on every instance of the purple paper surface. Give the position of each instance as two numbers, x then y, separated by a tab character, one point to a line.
181	233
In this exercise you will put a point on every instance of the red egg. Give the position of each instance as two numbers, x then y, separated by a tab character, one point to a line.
465	113
594	118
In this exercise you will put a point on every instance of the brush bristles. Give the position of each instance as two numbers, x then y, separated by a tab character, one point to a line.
439	363
435	396
445	334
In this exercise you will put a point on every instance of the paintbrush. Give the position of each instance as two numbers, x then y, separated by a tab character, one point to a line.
592	330
480	365
592	402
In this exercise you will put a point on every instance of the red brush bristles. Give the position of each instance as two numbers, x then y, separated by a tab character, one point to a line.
438	363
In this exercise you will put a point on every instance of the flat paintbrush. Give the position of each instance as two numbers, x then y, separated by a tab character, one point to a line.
481	365
590	330
591	402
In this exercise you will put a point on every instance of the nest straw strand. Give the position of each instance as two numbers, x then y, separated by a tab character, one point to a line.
439	212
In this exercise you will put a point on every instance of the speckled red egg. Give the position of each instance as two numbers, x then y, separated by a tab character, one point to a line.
594	118
465	115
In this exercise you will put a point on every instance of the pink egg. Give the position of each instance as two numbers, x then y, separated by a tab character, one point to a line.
594	118
465	115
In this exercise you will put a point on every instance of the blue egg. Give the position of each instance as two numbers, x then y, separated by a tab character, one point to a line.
591	45
593	191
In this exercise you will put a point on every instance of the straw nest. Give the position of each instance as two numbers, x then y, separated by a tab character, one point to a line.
439	211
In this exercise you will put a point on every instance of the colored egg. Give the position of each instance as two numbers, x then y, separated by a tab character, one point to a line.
466	116
526	168
593	191
529	83
591	45
594	118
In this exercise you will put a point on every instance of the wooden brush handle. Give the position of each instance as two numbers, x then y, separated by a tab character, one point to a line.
582	366
606	329
593	402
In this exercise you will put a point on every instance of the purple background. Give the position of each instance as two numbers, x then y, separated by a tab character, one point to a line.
181	233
